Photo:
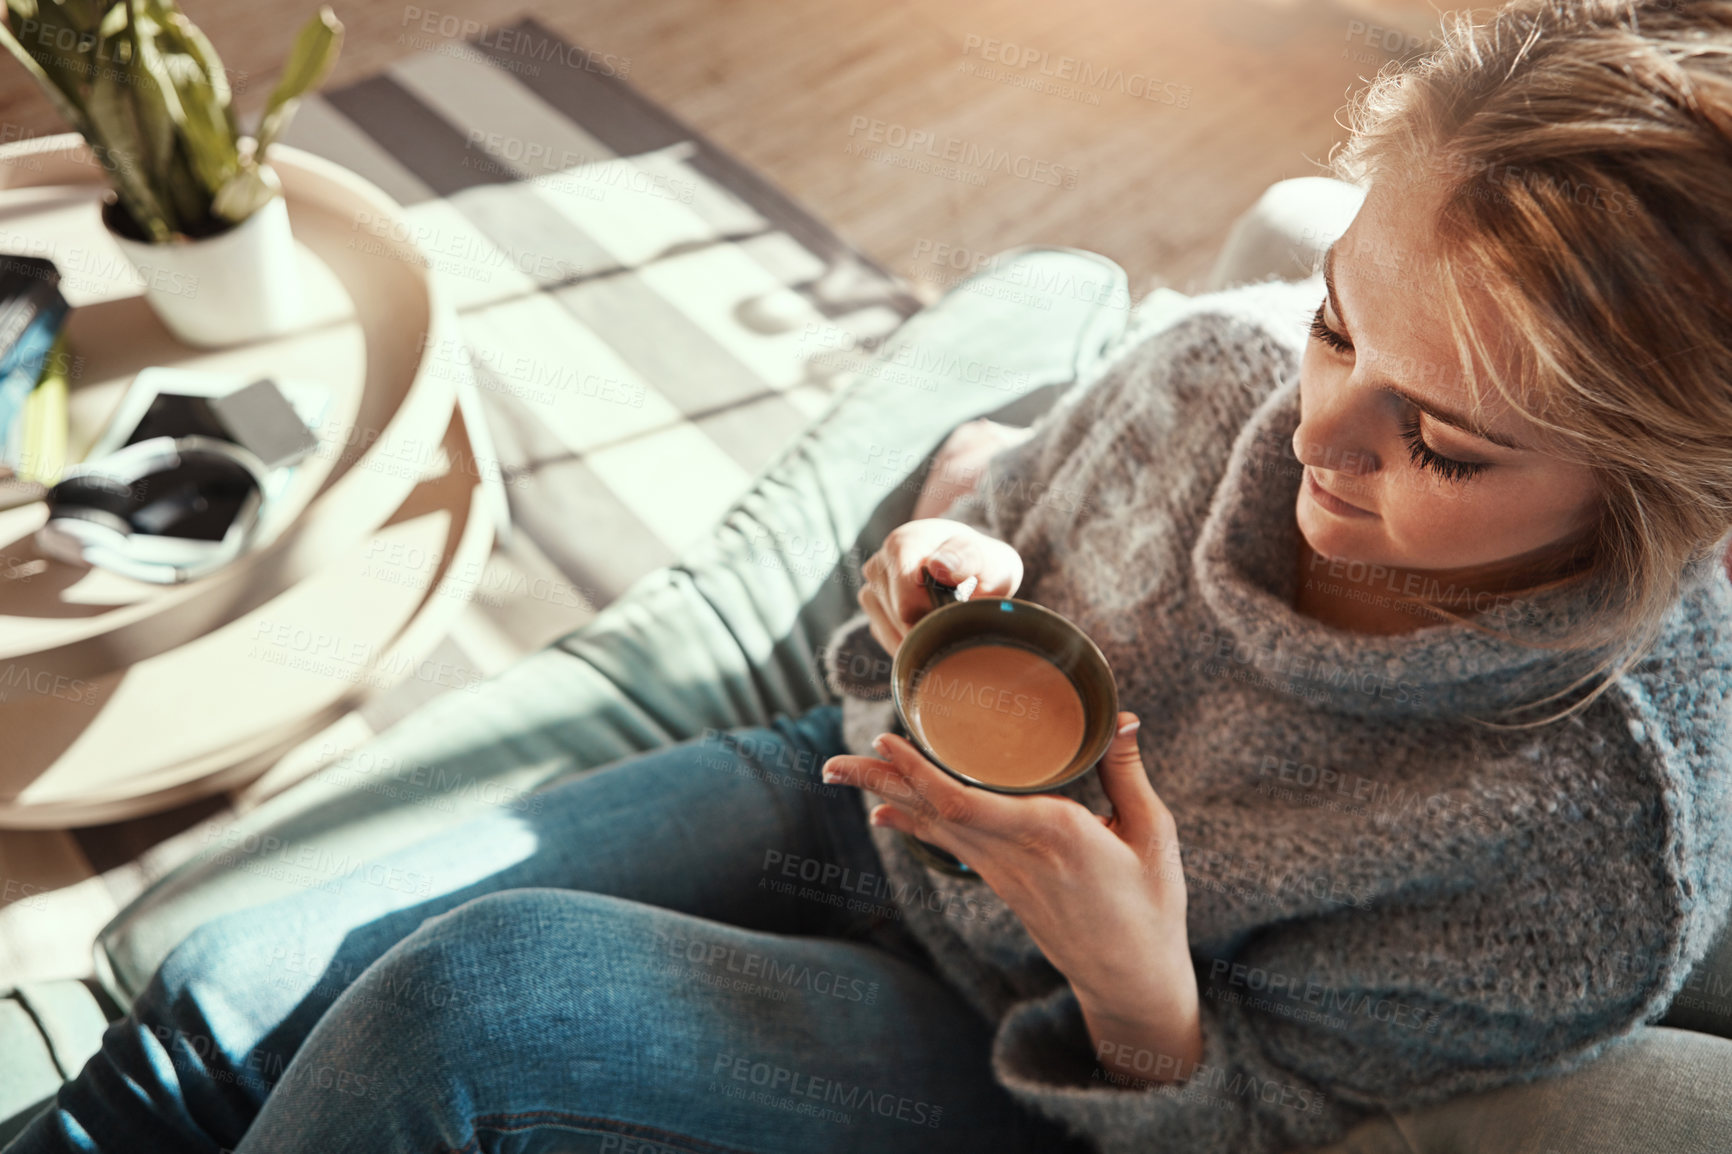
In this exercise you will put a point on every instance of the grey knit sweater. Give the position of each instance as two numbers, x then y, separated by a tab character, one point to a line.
1389	904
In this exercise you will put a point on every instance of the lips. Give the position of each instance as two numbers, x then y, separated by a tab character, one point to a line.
1329	501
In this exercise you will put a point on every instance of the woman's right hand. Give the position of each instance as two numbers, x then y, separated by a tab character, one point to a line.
893	597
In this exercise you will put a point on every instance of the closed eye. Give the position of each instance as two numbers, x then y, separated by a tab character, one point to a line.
1322	332
1426	457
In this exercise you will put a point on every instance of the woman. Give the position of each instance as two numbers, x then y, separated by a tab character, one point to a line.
1421	615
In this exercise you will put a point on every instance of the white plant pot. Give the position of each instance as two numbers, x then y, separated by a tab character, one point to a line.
238	286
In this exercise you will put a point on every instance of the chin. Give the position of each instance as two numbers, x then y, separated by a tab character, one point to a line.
1329	536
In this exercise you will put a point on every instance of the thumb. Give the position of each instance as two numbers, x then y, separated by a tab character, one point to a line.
1126	782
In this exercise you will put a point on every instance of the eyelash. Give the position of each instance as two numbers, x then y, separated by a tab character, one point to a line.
1322	332
1421	454
1448	468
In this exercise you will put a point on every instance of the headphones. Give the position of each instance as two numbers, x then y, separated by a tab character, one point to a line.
164	510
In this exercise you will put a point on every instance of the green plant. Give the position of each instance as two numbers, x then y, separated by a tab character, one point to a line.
141	83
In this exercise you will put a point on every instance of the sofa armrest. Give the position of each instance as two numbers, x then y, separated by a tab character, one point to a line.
1284	233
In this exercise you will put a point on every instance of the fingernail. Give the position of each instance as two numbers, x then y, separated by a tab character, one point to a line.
946	566
1130	726
881	745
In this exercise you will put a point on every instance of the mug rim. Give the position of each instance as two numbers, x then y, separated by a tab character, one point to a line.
1049	786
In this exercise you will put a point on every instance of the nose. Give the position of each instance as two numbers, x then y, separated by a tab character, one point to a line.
1332	433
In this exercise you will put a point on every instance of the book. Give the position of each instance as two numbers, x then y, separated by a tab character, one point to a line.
32	313
36	444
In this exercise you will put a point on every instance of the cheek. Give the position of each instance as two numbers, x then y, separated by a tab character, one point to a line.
1428	518
1441	525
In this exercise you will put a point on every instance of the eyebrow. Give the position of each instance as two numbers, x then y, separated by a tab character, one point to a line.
1450	417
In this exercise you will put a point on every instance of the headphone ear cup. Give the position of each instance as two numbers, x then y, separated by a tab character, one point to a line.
93	491
106	514
116	525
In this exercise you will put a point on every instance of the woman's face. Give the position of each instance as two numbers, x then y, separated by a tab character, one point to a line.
1398	471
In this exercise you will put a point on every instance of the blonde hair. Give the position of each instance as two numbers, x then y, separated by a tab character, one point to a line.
1584	153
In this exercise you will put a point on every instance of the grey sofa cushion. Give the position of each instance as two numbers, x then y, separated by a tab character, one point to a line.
729	637
1658	1091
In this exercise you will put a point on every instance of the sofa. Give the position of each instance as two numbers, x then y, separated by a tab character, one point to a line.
732	635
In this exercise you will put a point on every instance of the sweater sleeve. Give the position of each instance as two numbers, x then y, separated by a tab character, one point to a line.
855	665
1015	477
1235	1101
1318	1023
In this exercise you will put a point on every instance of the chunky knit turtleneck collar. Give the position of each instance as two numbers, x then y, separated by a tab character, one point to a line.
1243	562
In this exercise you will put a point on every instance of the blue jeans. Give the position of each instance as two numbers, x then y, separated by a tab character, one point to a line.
671	953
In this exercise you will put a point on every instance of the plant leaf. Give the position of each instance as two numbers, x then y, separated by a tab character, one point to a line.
84	15
111	112
155	106
192	41
205	143
67	70
244	194
115	19
315	50
66	103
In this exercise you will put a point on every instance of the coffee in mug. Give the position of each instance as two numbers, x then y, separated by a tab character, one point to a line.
1024	701
999	713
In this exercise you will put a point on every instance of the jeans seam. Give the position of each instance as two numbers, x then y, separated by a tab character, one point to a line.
508	1123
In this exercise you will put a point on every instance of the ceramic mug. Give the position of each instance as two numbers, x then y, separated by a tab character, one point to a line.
954	625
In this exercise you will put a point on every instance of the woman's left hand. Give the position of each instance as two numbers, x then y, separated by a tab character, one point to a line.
1103	898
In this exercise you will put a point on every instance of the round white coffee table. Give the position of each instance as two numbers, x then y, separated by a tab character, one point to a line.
119	697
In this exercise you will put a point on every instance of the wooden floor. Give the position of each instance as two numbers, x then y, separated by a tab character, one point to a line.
786	86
